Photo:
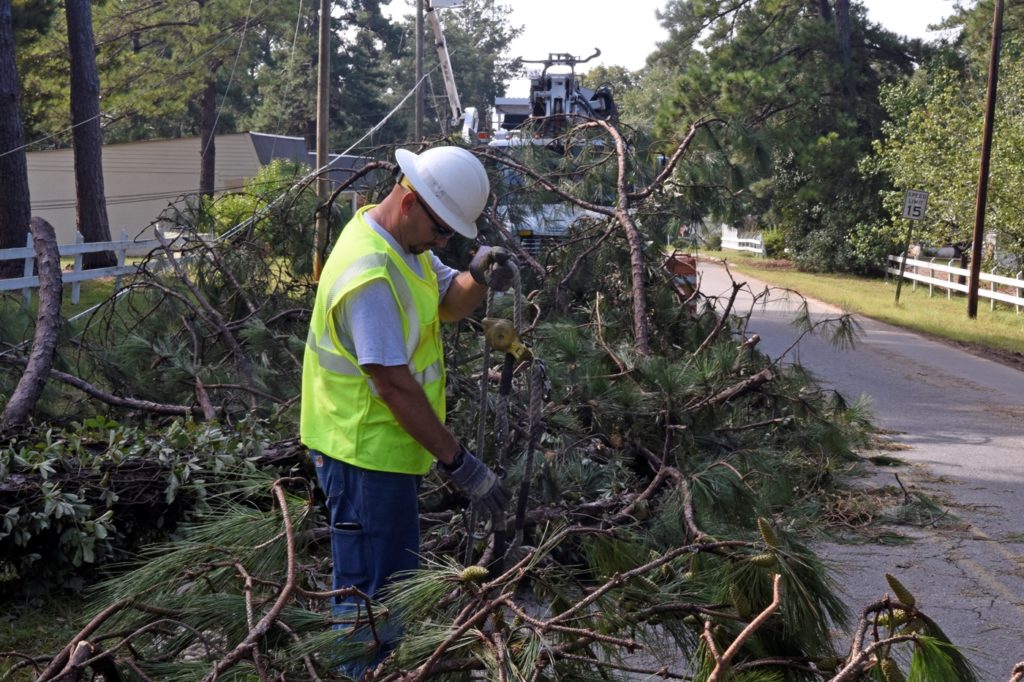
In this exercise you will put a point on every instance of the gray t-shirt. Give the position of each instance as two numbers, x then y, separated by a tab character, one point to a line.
370	318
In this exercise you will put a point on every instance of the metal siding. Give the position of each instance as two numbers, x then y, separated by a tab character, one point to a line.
141	179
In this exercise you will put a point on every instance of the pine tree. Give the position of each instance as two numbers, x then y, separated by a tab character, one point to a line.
15	208
86	133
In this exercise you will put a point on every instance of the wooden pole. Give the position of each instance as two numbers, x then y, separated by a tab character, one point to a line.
986	156
323	185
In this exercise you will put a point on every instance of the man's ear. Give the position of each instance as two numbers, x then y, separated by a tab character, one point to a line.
406	202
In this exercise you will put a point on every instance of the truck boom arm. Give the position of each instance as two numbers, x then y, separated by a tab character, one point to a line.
446	65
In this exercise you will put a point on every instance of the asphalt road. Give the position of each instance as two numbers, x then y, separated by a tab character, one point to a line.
962	418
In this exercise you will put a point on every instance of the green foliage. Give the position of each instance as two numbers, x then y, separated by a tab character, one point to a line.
935	658
932	143
154	60
234	541
286	106
279	206
801	117
31	18
92	493
774	242
714	241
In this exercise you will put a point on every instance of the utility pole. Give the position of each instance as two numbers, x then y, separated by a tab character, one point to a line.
986	156
323	185
418	124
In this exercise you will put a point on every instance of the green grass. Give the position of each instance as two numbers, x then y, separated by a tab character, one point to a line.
39	627
92	292
1001	329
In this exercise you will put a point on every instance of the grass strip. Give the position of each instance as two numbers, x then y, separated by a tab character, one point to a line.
1000	330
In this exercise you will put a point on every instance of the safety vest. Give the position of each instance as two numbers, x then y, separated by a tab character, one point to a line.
342	416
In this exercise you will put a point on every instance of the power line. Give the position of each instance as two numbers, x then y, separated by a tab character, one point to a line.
231	78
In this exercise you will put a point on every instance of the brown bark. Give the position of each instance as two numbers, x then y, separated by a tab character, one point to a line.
31	384
15	209
843	33
825	11
734	391
207	133
87	137
76	665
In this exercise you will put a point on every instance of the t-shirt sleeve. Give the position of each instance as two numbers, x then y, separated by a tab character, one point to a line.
445	275
369	325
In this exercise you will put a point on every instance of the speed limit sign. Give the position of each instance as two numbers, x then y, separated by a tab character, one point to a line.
914	204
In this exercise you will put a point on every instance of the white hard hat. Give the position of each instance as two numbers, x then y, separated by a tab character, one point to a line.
451	181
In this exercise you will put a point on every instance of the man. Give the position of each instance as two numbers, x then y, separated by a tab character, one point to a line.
373	377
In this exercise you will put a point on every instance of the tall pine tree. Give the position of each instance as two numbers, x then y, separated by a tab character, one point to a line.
15	207
86	133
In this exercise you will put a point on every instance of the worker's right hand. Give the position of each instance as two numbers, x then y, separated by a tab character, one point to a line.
476	480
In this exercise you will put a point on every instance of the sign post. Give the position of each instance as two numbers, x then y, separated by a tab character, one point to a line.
915	203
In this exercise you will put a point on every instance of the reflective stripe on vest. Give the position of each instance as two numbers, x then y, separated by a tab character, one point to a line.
339	364
398	281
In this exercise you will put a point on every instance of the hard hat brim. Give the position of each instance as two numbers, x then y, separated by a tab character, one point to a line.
407	161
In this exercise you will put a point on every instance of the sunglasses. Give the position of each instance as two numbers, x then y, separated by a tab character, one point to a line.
440	230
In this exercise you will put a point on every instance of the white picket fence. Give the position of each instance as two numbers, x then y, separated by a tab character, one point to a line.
731	240
924	271
29	280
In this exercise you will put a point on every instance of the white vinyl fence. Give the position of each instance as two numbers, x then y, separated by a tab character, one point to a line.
731	240
76	275
943	275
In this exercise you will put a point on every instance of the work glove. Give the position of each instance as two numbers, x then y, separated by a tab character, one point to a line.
475	479
494	267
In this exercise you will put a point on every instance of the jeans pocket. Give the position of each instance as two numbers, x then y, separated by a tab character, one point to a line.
348	546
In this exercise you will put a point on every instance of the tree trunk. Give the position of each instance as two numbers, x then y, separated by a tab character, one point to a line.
843	34
825	11
32	381
15	208
641	332
207	132
87	137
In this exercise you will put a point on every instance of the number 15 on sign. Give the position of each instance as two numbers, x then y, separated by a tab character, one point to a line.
914	204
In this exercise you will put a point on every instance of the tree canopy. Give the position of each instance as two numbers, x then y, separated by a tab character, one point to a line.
932	139
798	83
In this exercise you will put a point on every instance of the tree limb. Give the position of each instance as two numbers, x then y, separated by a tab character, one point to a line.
722	663
30	385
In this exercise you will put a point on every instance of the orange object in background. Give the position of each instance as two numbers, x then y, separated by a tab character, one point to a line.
683	268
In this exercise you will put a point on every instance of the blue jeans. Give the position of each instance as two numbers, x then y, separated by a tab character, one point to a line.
375	533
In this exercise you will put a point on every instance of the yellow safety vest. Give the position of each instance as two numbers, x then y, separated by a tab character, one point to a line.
342	415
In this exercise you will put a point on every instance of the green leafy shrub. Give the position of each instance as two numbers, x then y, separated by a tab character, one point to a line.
278	209
77	499
774	242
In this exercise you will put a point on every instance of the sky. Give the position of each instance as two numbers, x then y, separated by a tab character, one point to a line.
627	31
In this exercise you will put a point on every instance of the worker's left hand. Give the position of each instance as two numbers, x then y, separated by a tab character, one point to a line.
481	485
494	267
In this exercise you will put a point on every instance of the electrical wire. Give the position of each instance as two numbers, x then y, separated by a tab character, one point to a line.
231	79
